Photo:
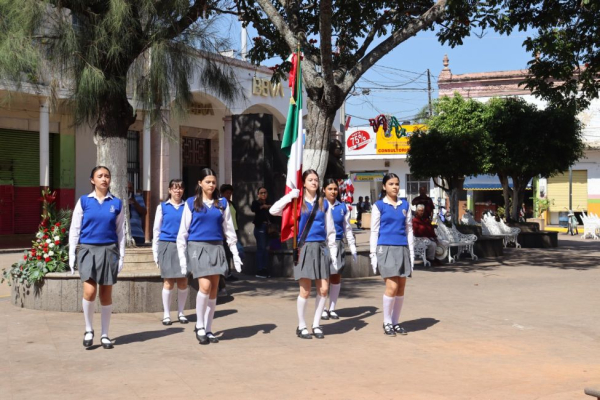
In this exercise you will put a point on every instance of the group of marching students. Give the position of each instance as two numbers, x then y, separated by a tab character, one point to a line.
189	237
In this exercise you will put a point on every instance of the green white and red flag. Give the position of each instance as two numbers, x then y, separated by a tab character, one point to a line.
293	145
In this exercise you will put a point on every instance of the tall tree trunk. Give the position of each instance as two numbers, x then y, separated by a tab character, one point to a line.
110	137
506	194
316	149
456	186
516	197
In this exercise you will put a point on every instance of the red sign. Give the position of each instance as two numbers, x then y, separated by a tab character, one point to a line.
358	140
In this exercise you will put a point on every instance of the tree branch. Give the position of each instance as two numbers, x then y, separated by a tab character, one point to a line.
193	14
424	21
279	22
325	8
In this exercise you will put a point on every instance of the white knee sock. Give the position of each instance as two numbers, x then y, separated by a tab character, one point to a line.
209	314
201	304
88	315
334	292
397	309
388	305
106	310
181	298
166	298
301	306
319	307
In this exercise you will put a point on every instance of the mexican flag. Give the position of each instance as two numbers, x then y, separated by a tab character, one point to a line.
292	145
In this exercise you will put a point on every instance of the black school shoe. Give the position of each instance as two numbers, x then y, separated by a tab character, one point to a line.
318	332
106	342
167	321
202	338
88	343
211	337
388	330
333	315
325	315
303	333
399	330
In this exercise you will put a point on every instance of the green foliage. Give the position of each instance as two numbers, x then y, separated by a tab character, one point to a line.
542	205
455	144
103	49
50	249
564	47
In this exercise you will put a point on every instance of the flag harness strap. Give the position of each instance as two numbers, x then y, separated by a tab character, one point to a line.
305	231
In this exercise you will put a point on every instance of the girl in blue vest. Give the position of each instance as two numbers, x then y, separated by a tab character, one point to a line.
205	223
317	253
97	227
341	220
392	249
164	249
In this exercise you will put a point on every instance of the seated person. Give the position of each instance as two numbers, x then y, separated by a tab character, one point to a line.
422	228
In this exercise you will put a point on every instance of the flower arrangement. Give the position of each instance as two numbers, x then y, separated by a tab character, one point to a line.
50	248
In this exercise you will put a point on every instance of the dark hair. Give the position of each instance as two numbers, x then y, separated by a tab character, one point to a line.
225	187
318	199
96	168
175	182
331	181
198	203
387	177
261	187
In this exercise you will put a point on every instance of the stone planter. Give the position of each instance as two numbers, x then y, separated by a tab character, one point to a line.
133	293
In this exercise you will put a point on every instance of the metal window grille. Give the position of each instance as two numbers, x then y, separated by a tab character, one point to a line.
412	187
133	159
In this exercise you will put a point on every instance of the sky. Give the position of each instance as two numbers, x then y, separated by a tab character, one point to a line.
397	84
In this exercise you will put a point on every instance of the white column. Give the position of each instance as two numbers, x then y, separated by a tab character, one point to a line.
227	150
146	163
44	144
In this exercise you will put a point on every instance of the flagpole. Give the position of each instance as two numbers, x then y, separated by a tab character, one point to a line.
295	202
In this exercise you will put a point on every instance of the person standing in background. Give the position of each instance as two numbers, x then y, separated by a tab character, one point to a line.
137	212
260	208
422	198
359	211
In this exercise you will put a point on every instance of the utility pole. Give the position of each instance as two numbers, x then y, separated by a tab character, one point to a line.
429	92
570	188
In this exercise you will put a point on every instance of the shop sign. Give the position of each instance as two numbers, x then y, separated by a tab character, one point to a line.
358	140
266	88
391	137
201	109
376	176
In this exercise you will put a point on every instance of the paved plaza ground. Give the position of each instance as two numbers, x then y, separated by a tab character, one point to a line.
525	326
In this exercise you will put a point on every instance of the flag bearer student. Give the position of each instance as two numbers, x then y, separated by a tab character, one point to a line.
318	251
341	221
164	250
206	221
97	226
392	249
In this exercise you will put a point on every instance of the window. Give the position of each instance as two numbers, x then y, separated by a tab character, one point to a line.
413	185
133	159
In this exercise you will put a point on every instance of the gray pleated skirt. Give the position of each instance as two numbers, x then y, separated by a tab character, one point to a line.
99	263
341	258
206	258
394	261
314	261
168	260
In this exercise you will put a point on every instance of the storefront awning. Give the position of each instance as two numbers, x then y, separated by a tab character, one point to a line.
487	182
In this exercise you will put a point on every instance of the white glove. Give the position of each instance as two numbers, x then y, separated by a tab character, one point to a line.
71	265
373	262
184	270
334	263
237	263
120	264
355	257
294	194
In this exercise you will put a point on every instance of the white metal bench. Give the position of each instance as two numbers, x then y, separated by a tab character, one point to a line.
491	227
591	226
464	243
420	247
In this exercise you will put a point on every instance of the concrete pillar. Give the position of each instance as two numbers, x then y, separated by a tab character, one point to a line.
227	156
44	144
146	174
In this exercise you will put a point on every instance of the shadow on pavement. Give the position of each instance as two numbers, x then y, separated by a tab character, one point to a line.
420	324
244	332
218	314
353	319
144	336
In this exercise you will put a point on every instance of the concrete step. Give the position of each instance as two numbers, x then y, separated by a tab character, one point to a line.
139	259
